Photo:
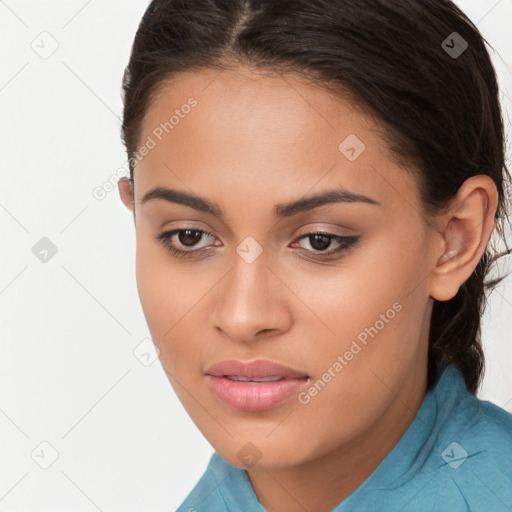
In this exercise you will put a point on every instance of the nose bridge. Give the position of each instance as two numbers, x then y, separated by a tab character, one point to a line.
247	287
247	301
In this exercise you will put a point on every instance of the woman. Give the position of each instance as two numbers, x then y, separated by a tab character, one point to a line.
314	186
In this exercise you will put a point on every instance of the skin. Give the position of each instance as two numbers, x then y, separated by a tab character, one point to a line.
251	142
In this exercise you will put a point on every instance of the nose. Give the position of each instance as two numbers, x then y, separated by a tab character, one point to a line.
251	302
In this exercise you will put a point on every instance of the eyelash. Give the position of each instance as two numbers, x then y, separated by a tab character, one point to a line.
346	243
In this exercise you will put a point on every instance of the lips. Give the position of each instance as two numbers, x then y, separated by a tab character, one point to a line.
254	385
253	379
260	368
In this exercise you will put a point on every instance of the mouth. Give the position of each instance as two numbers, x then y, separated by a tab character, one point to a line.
255	385
254	379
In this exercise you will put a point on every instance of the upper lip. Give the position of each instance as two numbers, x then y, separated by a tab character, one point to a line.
257	368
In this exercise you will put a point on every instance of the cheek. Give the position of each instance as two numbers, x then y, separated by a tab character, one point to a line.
169	298
346	396
375	309
377	279
168	294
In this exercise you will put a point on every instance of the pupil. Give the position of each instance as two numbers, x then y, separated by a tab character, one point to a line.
316	238
186	239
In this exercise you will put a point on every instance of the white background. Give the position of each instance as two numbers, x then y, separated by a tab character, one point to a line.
68	327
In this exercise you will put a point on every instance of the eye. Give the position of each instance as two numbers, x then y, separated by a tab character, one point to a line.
321	241
177	240
185	237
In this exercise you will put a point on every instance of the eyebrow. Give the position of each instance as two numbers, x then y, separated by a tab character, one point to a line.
339	195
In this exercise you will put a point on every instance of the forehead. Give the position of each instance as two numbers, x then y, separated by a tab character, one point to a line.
245	135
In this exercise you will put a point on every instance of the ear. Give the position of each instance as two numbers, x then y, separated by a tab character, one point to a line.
125	187
465	230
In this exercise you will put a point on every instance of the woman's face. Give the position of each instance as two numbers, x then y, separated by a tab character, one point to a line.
351	314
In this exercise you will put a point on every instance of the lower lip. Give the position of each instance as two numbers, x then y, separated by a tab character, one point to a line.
254	396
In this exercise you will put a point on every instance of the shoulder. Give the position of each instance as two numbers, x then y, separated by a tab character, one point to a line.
474	454
487	434
482	425
494	420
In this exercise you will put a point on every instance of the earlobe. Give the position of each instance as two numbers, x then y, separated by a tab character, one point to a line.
125	188
467	228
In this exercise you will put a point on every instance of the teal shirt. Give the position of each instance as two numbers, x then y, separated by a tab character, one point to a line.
455	456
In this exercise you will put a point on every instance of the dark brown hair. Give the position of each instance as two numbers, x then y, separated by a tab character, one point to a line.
437	101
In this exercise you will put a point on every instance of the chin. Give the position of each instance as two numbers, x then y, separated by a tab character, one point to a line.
261	455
